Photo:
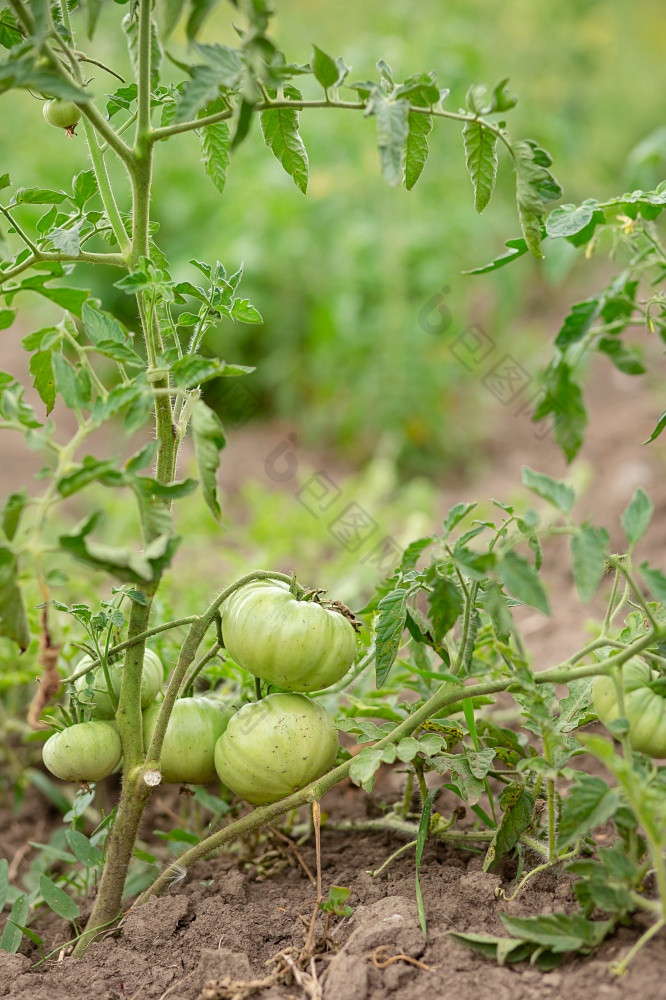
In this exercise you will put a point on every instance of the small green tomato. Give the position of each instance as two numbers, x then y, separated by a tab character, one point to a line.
61	114
94	694
87	751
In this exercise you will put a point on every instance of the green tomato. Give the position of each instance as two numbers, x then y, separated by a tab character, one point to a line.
644	707
87	751
61	114
96	695
275	746
297	645
189	743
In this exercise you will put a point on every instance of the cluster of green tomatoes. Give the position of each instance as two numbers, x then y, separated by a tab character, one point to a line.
263	751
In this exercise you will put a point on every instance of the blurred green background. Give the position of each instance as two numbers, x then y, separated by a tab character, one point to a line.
343	276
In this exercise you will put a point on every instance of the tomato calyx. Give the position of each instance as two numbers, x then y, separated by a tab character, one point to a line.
314	596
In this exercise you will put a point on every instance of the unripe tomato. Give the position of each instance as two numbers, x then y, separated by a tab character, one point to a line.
275	746
644	707
189	743
99	701
87	751
297	645
61	114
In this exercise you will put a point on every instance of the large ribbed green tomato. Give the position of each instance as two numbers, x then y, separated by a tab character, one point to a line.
189	744
99	701
297	645
644	708
87	751
275	746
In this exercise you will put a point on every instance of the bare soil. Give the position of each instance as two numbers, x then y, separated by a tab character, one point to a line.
216	932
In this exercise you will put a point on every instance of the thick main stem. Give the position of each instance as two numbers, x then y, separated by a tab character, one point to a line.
135	790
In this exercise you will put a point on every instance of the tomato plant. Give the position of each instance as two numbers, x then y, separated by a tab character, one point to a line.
286	639
275	746
439	630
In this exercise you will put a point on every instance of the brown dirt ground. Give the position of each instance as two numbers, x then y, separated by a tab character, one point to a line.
226	921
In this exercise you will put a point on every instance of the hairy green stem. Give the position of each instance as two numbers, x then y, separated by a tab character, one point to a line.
105	189
155	630
300	105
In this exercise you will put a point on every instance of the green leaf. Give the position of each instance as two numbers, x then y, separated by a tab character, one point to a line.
12	934
522	581
209	440
560	932
42	378
421	837
589	803
578	322
67	383
57	899
130	25
624	358
172	13
85	852
517	804
192	370
416	146
388	632
446	603
67	240
325	69
38	196
456	515
589	549
11	516
279	127
636	517
569	220
243	311
89	471
503	950
4	882
517	248
215	143
535	186
564	399
198	14
556	492
6	318
659	427
13	620
364	767
120	562
655	580
481	158
392	134
102	327
222	70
